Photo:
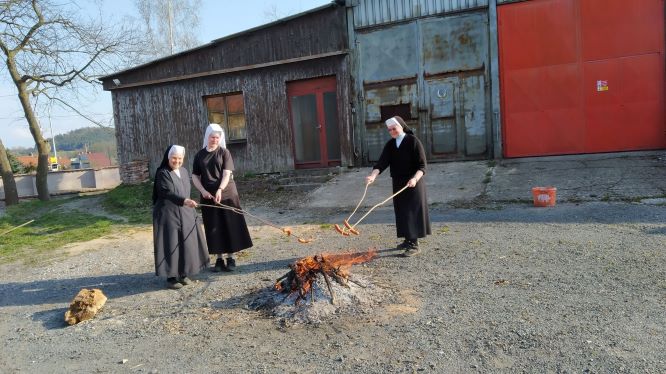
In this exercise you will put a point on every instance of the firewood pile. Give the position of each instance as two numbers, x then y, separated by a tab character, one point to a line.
302	277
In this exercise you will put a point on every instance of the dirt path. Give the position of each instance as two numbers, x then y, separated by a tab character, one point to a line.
580	288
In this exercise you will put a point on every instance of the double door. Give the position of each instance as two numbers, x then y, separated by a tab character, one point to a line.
314	122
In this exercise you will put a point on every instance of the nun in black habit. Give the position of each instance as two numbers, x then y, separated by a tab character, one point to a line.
405	156
212	175
180	248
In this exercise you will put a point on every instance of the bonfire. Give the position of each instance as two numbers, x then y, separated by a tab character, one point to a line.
304	273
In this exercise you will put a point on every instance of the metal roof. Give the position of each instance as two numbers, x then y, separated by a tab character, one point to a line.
378	12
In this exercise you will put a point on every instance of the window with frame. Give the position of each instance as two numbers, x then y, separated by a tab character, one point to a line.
229	112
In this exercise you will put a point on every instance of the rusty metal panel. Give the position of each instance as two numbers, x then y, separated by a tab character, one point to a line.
500	2
443	134
454	44
149	118
388	54
390	95
375	131
439	68
475	114
379	12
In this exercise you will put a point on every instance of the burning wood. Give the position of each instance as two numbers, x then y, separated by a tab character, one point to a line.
303	274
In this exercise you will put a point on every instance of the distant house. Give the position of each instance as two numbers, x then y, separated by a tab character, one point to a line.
90	160
31	162
27	161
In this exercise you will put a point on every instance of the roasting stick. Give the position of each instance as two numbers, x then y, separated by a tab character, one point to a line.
348	228
269	223
359	202
380	204
19	226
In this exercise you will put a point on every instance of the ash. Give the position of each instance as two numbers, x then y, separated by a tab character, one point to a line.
356	299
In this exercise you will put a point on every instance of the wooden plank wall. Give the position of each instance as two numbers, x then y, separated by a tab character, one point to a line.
149	118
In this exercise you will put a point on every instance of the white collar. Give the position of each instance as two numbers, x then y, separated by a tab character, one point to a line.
399	139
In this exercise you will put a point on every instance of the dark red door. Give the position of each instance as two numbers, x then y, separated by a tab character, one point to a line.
314	122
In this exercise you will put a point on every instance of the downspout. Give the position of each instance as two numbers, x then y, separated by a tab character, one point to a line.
495	107
354	64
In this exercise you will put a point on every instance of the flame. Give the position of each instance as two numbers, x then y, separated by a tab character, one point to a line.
304	271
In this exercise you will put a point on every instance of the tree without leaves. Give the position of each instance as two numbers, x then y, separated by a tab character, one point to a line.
170	26
8	182
49	52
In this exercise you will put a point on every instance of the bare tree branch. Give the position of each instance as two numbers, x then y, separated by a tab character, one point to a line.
49	51
65	103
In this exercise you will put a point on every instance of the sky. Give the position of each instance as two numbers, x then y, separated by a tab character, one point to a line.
219	18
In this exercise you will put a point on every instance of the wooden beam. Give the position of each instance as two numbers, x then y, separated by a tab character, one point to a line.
230	70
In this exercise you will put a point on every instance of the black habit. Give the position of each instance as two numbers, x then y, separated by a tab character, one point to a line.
180	248
226	231
412	219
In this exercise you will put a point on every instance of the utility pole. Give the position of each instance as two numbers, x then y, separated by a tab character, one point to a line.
55	151
170	17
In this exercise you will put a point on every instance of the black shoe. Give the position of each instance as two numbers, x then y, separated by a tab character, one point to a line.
185	281
403	246
219	265
412	249
231	264
173	284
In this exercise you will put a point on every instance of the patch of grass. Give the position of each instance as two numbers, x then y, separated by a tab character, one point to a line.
52	228
325	226
133	202
491	163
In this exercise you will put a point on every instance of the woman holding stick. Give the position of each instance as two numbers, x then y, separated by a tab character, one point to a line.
405	156
180	249
212	175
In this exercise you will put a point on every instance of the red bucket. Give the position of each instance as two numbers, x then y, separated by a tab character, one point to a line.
544	196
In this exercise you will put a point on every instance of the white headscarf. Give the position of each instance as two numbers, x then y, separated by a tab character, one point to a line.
176	149
214	128
392	122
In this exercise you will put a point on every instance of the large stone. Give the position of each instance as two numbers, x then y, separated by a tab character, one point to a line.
85	305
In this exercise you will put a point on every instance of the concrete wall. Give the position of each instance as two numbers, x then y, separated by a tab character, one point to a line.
68	181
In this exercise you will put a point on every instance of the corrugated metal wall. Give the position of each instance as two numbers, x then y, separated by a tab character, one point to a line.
377	12
433	72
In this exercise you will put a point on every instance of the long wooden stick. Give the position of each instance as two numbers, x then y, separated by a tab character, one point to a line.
241	211
359	202
380	204
19	226
269	223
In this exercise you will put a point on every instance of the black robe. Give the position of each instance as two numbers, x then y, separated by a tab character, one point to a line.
180	248
226	231
412	219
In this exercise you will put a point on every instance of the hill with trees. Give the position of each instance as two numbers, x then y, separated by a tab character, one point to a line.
87	139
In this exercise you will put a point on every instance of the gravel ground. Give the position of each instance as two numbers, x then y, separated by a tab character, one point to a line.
576	288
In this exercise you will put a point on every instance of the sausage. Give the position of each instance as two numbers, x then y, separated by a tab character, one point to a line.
339	229
348	225
353	231
287	231
301	240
